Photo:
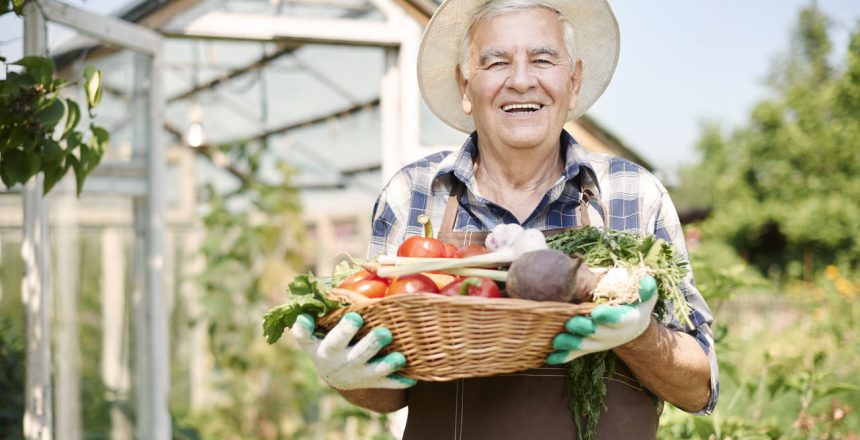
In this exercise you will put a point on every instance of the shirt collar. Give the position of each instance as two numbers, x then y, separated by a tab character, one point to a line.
462	164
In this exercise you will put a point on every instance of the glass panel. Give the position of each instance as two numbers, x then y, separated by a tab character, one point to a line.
124	89
353	9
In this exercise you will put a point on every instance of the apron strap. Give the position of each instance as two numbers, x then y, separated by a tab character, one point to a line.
588	194
452	206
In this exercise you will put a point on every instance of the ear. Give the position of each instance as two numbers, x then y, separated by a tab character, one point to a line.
576	81
462	82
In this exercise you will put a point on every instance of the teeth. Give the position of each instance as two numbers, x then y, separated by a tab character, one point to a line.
510	107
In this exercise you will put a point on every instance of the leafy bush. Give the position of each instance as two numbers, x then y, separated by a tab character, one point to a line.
788	366
38	127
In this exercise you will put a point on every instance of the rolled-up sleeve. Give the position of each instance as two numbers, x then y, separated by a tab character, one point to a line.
668	227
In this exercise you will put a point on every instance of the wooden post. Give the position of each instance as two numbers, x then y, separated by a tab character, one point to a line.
36	286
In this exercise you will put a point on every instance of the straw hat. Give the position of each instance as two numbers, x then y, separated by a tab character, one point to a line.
596	43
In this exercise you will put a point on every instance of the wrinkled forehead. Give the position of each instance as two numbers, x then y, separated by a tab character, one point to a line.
490	10
539	23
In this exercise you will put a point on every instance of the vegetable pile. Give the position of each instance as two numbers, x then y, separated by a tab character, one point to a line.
580	265
603	248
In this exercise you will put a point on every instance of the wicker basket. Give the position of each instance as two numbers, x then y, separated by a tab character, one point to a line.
446	338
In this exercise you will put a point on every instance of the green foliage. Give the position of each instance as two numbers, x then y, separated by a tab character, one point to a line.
788	367
254	244
306	295
39	128
606	248
11	378
12	343
16	6
784	187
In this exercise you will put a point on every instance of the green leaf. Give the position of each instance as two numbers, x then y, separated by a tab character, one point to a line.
53	173
101	139
19	166
306	295
52	151
18	6
40	68
18	136
80	174
93	86
51	114
88	157
73	140
7	179
73	116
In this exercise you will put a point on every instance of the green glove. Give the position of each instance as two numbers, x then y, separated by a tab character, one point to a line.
606	328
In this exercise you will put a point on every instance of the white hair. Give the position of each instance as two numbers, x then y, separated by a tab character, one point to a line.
495	8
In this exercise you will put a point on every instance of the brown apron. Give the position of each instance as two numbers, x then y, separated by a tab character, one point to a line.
528	405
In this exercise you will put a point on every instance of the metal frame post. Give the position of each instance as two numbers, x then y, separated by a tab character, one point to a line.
36	285
151	340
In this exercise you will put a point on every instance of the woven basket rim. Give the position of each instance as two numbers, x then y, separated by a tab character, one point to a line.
358	300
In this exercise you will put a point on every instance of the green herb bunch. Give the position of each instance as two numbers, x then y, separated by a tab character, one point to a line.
608	248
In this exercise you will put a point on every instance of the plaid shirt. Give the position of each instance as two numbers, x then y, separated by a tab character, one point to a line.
636	200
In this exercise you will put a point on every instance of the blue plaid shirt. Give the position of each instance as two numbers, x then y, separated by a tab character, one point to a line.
636	200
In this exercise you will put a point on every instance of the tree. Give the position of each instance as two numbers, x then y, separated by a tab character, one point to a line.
782	189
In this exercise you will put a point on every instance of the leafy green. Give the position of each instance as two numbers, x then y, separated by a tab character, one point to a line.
607	248
586	389
306	295
342	271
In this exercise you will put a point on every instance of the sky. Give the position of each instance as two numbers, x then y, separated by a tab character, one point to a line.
681	63
685	62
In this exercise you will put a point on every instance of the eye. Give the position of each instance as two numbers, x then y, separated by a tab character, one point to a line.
544	62
497	64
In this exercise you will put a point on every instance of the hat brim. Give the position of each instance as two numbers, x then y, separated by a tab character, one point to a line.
596	43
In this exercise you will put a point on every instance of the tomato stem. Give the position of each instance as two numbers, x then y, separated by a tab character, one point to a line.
424	219
467	283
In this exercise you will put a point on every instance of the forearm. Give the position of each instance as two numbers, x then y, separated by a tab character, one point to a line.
376	399
671	364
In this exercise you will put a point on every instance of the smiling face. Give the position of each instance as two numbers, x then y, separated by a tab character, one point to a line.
520	84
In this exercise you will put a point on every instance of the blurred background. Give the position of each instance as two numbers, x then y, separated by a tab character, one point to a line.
248	142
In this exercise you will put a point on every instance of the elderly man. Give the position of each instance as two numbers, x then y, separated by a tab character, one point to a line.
512	72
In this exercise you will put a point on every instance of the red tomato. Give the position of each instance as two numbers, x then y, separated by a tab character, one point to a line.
412	284
450	250
469	250
362	274
473	286
421	247
370	288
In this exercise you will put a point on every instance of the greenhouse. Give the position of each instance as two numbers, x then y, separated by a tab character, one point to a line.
208	153
233	124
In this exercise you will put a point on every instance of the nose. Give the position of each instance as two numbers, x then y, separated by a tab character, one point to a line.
521	78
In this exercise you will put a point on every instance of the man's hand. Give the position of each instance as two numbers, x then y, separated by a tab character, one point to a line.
352	367
606	328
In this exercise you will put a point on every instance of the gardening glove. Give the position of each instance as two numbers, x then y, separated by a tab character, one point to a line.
607	327
348	367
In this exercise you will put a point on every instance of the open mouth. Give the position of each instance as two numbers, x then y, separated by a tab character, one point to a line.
521	108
